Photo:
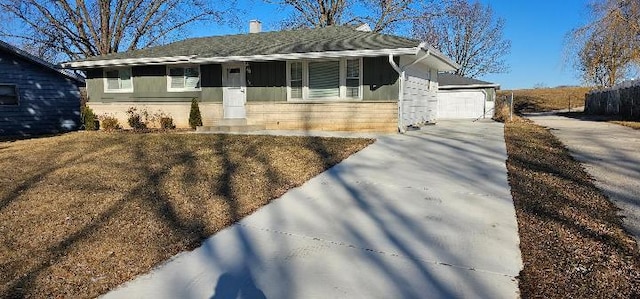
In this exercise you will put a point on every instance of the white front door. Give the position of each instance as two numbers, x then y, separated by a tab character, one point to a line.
233	92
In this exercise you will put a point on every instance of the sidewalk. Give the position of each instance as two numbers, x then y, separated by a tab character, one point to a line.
427	214
611	155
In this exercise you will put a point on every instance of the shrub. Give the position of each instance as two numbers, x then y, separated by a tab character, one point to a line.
89	119
109	123
502	110
137	121
166	123
502	114
195	119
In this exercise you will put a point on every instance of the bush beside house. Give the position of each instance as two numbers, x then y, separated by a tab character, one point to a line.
195	118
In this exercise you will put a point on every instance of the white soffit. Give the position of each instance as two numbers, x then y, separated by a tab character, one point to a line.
270	57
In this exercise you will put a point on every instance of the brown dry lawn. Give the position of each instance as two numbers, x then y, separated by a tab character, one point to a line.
614	119
84	212
628	123
572	241
546	99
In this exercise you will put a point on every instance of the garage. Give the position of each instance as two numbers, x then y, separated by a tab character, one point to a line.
461	104
465	98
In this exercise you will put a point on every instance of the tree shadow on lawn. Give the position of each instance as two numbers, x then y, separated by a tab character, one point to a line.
175	193
594	117
14	138
240	276
168	197
572	241
236	262
630	122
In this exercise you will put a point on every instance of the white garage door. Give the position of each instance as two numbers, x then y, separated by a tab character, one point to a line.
462	104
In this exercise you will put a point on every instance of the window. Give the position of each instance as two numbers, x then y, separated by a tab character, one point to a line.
296	80
325	80
8	95
183	78
353	78
118	80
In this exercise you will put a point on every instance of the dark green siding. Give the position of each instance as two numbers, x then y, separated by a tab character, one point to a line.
380	80
267	81
149	71
491	94
266	94
267	74
211	75
149	82
95	89
150	85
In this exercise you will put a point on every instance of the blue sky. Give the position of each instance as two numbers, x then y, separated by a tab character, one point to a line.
537	31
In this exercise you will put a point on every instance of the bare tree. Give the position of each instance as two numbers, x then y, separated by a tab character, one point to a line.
607	47
79	28
470	34
314	13
605	58
382	15
386	14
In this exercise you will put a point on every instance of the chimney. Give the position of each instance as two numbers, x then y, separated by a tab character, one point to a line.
255	26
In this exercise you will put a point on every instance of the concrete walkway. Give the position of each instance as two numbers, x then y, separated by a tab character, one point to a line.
611	155
428	214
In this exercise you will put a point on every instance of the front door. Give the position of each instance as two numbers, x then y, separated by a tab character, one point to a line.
233	93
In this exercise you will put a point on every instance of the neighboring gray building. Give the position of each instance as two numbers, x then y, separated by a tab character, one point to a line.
461	97
35	96
342	78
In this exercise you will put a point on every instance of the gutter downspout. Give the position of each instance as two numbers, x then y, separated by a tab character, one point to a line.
401	72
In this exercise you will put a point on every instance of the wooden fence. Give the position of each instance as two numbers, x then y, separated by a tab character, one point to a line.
622	100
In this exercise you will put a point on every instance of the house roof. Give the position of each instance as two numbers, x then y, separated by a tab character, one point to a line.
34	59
332	41
453	81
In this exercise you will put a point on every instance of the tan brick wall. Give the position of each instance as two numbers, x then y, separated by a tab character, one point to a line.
342	116
351	116
179	111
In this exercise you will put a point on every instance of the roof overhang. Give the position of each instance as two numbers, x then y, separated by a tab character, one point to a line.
436	58
195	59
470	86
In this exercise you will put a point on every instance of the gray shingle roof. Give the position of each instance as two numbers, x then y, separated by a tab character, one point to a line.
446	79
333	38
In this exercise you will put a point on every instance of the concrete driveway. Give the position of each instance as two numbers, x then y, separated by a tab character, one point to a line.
427	214
610	154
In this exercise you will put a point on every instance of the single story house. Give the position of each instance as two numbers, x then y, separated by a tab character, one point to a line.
461	97
36	97
340	78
